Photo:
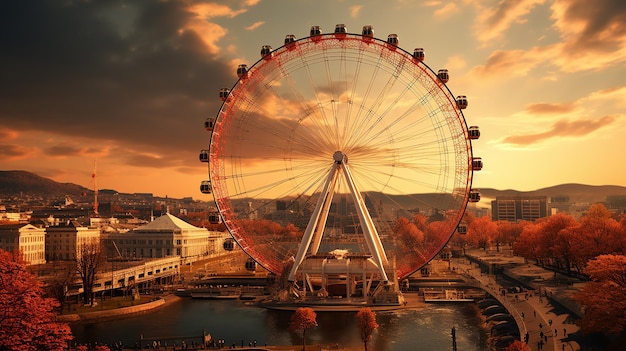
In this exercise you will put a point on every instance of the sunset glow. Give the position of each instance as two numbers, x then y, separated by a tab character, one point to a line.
129	85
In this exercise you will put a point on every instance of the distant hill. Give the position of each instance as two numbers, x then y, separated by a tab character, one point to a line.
16	182
22	182
579	193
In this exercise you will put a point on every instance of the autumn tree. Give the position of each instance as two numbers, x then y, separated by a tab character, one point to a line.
508	232
304	318
526	244
481	231
89	258
27	319
604	297
518	346
366	322
538	240
598	234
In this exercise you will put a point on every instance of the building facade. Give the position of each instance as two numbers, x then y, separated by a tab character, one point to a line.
64	240
26	239
166	236
519	208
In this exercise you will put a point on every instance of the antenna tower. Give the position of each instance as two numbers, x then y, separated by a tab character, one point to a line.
95	190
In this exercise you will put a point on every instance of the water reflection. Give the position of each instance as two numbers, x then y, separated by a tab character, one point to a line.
426	328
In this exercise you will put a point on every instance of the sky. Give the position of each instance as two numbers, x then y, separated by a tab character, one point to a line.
124	87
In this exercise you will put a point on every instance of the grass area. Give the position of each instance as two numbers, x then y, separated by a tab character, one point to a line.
108	304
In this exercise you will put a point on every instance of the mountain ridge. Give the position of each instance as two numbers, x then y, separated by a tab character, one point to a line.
15	182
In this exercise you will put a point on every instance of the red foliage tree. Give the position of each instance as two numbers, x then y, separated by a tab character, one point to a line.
598	234
518	346
538	240
481	231
549	229
604	297
508	232
27	320
304	318
366	324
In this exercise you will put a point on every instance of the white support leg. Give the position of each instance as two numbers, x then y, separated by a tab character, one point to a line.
316	224
372	239
314	231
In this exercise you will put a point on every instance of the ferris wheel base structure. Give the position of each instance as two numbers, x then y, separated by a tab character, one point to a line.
339	269
283	137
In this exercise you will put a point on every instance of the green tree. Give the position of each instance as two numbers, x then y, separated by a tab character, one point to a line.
366	324
304	318
27	319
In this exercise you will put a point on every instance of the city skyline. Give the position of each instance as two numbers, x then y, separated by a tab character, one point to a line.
128	85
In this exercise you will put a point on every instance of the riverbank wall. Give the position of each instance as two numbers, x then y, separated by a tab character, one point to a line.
119	312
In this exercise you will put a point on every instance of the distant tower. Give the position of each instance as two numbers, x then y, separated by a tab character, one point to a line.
95	190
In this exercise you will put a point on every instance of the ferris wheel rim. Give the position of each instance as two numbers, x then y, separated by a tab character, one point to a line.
223	202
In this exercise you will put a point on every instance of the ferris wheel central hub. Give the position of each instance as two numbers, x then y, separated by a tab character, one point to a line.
340	157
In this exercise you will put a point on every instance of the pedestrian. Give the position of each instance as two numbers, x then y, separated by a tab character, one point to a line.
550	322
540	326
522	315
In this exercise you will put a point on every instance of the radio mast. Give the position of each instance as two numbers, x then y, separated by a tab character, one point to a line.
95	190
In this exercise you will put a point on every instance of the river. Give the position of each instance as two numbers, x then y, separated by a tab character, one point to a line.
424	328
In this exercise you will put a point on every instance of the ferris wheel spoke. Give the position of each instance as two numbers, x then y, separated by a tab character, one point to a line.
393	119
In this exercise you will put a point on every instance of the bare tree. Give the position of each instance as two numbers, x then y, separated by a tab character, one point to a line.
58	286
89	258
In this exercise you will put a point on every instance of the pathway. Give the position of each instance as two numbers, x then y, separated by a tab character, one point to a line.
533	313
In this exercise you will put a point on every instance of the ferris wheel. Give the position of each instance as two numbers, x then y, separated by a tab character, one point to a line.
327	142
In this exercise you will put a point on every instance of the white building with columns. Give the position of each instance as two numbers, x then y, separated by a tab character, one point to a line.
166	236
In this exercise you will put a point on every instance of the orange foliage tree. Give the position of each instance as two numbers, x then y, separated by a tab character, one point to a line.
537	241
27	320
367	324
604	297
518	346
481	231
508	232
598	234
265	227
304	318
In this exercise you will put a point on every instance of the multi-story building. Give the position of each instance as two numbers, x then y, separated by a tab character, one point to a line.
519	208
26	239
616	203
166	236
559	203
63	241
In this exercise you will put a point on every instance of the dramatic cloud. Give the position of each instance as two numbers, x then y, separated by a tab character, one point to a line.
255	25
12	151
447	10
544	108
138	75
492	22
593	36
562	128
508	63
591	25
355	10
